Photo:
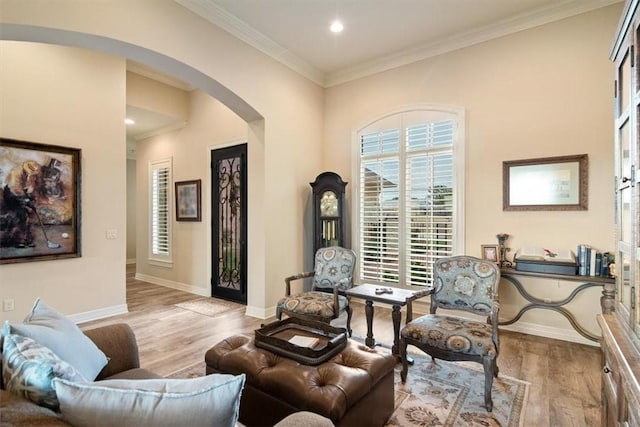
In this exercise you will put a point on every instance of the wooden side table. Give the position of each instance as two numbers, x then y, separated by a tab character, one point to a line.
397	299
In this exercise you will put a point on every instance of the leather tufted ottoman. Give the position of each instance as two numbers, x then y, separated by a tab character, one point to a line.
354	388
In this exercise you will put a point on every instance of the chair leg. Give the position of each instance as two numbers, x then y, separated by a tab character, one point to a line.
403	357
349	314
495	368
489	370
279	313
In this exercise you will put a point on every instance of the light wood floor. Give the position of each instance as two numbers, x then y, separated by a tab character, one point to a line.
564	376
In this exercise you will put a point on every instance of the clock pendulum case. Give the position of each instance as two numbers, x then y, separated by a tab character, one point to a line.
328	210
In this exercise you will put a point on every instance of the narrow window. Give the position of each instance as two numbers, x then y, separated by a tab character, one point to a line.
160	211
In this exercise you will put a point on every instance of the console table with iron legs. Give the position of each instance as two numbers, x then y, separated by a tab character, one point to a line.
607	300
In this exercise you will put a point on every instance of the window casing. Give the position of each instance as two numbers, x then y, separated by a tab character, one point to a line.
160	212
409	193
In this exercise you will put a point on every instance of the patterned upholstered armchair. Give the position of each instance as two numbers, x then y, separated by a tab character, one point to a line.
332	274
460	283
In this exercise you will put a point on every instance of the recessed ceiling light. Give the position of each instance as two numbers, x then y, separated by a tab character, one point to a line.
336	27
129	121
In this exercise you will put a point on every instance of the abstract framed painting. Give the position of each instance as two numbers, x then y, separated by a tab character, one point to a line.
188	200
40	215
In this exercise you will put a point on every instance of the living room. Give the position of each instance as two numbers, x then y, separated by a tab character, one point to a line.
541	92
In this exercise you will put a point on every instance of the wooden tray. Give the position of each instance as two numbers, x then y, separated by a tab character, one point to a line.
275	337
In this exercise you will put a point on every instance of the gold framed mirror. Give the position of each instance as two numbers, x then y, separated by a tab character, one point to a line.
546	184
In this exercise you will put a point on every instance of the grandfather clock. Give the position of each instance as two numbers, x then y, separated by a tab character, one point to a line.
328	210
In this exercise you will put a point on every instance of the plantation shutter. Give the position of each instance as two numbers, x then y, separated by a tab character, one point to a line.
160	205
406	202
379	206
429	199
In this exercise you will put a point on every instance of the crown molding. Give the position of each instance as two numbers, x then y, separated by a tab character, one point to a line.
228	22
554	12
231	24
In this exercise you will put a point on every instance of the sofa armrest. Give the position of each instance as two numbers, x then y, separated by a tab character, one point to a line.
118	343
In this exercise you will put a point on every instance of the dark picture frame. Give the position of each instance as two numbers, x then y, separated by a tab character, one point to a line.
490	253
40	209
188	200
546	184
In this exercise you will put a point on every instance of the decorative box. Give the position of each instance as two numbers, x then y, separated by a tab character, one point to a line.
548	267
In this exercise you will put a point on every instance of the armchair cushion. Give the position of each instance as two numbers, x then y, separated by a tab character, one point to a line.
462	283
334	267
452	334
313	303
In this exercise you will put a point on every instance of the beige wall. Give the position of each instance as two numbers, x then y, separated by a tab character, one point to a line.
74	98
542	92
284	112
211	125
148	94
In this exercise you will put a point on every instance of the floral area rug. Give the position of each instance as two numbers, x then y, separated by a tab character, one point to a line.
443	394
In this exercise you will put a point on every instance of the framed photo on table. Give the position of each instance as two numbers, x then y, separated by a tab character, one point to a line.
188	200
39	201
490	253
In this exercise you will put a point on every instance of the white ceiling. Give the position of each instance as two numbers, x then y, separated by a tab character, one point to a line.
378	35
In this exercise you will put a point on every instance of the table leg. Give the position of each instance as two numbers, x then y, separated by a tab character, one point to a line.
409	311
368	311
396	328
395	317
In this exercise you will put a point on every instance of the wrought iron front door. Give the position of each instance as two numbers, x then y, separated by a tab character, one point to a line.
229	228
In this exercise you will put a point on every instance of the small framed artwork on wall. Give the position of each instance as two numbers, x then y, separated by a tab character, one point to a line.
490	253
188	201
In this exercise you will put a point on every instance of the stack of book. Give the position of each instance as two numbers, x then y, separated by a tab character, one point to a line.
592	262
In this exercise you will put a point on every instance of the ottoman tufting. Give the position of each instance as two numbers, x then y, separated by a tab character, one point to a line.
354	388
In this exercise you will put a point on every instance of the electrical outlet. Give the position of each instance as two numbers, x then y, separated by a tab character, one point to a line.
8	304
111	234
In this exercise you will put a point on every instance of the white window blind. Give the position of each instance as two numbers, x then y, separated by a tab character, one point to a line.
407	211
160	214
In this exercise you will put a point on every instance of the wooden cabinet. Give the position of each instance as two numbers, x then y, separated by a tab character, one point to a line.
621	325
620	375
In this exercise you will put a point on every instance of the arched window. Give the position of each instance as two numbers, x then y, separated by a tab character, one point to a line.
410	195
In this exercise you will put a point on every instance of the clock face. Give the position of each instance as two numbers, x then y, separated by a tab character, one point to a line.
328	204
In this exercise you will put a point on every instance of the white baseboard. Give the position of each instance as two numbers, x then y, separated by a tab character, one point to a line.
422	307
99	314
549	332
260	313
174	285
131	261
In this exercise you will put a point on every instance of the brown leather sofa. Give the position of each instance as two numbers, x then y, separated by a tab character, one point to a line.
119	344
354	388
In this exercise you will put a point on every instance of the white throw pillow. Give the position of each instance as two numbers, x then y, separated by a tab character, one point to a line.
58	333
213	400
